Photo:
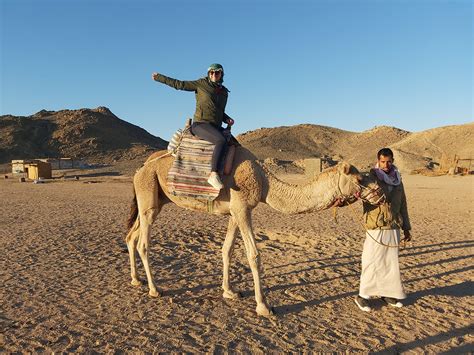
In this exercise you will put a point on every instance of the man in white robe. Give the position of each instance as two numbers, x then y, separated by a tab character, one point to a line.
380	275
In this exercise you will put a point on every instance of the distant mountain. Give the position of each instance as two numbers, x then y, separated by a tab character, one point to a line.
412	150
93	134
437	144
97	135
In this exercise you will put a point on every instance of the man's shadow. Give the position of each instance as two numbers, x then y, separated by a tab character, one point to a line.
458	290
434	339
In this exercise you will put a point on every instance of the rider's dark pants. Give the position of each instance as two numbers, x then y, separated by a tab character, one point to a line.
211	134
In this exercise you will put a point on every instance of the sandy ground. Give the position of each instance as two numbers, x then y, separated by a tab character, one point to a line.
65	283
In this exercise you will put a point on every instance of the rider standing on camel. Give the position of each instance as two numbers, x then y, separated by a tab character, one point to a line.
211	99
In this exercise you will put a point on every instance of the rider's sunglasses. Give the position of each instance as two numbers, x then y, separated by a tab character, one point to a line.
215	72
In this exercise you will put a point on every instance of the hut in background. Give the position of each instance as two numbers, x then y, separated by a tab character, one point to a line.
20	166
32	169
39	169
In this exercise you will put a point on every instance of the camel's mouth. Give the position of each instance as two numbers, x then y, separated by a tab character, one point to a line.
374	195
351	199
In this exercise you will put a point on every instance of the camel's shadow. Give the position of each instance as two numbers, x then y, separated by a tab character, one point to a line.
349	260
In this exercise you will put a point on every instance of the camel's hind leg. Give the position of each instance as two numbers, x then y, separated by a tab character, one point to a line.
227	250
146	188
131	240
146	218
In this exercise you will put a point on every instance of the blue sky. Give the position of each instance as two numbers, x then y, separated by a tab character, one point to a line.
346	64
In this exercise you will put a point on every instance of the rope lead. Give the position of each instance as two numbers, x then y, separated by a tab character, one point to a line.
370	235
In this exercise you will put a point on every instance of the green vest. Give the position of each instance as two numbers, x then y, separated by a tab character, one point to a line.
393	214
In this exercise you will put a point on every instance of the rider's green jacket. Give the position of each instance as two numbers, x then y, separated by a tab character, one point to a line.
393	214
211	98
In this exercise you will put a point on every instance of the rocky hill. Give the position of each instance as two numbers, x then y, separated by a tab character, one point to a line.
96	135
412	150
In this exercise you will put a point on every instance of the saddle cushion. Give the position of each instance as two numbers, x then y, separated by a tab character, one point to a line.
191	168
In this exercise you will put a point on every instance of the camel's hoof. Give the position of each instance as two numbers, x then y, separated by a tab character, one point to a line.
264	310
136	283
154	293
231	295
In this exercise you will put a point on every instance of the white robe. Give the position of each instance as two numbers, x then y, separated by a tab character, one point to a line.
380	270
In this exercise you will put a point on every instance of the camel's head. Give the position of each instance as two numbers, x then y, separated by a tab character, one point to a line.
348	184
371	191
352	185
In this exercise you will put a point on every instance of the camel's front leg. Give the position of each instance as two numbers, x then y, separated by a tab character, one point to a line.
227	250
146	220
244	221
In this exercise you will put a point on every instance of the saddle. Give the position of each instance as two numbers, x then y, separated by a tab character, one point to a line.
192	164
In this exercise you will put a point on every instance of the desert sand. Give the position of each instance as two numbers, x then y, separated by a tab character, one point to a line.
66	280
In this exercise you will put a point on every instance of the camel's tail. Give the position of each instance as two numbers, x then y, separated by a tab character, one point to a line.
132	222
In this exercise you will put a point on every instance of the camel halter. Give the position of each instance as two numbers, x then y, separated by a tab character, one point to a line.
358	196
371	191
344	197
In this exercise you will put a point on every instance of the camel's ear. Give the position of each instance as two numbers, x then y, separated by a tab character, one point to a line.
344	167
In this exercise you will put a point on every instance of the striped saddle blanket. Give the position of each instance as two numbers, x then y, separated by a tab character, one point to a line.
191	167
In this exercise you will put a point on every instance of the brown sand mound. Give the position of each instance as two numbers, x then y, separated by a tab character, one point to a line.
434	144
98	136
412	150
93	134
361	148
306	141
294	142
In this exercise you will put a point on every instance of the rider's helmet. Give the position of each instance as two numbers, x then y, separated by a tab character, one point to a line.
216	67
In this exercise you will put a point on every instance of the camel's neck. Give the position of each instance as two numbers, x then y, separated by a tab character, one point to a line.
315	195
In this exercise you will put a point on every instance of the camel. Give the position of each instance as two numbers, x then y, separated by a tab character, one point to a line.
248	184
